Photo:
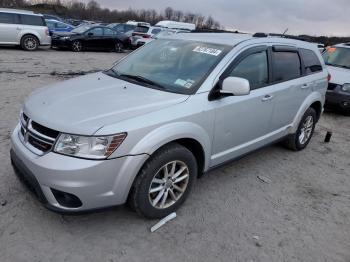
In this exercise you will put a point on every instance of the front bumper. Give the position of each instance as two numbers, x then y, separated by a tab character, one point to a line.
97	184
338	98
56	42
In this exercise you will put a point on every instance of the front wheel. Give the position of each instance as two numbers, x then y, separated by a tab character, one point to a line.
302	137
77	46
164	182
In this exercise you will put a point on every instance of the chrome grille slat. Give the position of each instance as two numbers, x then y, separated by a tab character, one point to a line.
34	140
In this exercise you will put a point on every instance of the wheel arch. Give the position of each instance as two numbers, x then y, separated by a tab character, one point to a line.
29	33
316	101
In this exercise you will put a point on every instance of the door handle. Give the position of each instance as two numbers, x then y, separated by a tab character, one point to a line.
267	98
305	86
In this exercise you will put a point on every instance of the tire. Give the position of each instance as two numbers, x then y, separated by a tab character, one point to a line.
77	46
166	196
303	135
119	47
29	43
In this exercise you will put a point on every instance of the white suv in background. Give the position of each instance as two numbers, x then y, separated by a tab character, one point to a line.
24	28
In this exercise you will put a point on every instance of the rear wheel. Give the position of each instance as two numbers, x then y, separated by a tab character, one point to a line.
29	43
119	47
302	137
164	182
77	46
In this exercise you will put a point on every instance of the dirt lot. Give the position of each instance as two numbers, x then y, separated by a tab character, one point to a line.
303	214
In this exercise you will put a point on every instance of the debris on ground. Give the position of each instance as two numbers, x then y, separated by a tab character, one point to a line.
327	139
264	179
3	202
163	222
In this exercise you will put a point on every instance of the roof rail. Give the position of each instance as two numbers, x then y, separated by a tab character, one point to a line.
260	35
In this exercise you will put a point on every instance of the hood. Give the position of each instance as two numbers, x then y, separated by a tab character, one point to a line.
85	104
339	75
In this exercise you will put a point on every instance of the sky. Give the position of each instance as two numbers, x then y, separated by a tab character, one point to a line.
315	17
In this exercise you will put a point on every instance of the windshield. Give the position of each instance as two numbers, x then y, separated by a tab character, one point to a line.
337	56
177	66
81	29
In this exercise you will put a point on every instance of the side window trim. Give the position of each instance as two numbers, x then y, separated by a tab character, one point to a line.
291	49
242	56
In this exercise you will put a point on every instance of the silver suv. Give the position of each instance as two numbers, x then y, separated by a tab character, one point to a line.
24	28
144	130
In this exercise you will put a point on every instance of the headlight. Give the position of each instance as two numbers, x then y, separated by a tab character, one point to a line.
64	37
346	88
90	147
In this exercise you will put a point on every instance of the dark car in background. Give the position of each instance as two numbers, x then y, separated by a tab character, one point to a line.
337	59
88	37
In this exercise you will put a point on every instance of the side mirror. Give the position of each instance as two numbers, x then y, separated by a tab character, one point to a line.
235	86
90	34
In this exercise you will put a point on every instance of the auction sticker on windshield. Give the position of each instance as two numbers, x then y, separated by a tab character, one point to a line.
207	50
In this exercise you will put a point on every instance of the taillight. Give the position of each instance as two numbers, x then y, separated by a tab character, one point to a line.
329	77
146	36
47	31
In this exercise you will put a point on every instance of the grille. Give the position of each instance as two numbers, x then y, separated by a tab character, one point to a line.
37	138
332	86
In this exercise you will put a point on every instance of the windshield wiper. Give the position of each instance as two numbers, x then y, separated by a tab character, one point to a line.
141	79
335	65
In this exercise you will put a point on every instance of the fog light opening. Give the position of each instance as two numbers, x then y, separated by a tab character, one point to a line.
66	199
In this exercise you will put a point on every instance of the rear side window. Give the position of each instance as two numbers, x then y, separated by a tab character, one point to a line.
141	29
8	18
254	68
311	62
109	32
155	31
33	20
286	66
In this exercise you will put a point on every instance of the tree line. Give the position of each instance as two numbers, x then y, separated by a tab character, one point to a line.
93	11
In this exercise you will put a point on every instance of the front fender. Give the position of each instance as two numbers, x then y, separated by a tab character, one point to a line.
312	98
171	132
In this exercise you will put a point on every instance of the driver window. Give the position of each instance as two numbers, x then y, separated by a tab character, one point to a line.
254	68
98	31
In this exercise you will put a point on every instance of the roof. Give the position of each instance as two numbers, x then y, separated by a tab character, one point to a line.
233	39
17	11
214	38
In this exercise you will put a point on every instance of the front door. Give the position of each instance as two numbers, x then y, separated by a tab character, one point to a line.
241	122
94	38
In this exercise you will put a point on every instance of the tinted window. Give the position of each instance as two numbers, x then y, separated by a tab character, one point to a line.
311	62
32	20
7	18
141	29
254	68
286	66
155	31
109	32
98	31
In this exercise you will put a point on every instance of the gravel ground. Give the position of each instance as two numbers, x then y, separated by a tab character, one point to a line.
302	214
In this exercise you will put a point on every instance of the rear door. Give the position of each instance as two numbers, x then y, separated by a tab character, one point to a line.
94	38
9	28
109	37
290	89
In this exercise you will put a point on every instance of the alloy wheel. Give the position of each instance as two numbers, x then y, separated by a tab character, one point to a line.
77	46
30	43
168	184
306	130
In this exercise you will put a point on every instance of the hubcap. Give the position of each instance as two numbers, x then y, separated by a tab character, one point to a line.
168	185
306	130
118	47
30	43
76	46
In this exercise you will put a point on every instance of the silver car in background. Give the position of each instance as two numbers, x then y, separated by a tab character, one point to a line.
23	28
144	130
